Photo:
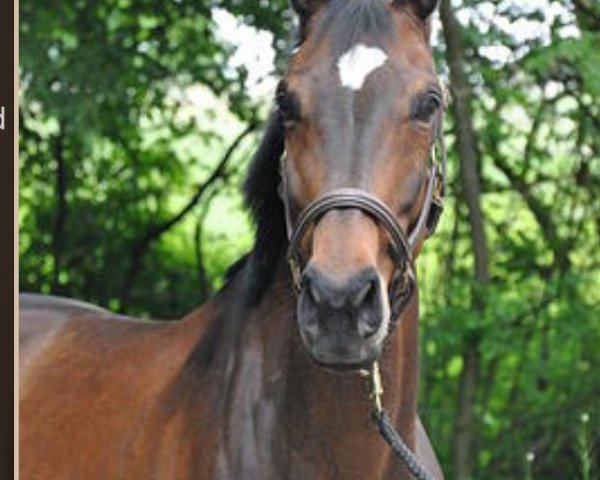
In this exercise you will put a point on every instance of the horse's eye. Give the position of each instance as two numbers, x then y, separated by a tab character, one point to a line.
424	106
287	104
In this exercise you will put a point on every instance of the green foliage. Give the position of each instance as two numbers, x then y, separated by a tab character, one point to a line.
104	113
112	149
536	114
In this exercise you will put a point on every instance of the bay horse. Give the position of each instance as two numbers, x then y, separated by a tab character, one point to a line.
263	381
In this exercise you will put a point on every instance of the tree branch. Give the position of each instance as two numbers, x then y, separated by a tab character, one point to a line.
60	217
205	285
587	17
141	246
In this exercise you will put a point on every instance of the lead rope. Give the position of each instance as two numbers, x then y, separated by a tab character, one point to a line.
388	432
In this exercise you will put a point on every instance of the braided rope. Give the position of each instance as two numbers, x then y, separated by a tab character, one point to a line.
387	430
400	448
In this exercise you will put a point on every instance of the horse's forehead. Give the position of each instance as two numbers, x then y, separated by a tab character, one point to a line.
357	63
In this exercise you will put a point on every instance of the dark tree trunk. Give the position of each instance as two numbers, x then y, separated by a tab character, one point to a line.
470	160
464	428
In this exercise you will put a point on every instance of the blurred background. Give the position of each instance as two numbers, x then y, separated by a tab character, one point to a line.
138	119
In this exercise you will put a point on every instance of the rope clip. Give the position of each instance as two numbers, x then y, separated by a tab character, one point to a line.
376	388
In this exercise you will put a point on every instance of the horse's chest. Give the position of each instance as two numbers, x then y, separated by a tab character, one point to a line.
251	445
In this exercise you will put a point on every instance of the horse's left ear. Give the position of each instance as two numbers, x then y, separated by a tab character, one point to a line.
305	8
423	8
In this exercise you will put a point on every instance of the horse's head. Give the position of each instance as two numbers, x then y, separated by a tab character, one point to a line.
361	103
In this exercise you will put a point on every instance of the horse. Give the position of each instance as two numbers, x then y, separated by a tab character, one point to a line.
266	379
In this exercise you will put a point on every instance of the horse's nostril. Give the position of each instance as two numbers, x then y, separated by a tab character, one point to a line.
368	325
313	285
364	294
349	308
358	292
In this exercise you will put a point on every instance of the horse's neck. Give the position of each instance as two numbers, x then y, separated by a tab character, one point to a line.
297	418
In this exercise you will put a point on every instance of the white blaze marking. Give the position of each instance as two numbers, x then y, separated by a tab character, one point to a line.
358	63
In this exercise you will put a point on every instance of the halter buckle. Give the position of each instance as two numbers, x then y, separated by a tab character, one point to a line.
446	97
295	271
437	205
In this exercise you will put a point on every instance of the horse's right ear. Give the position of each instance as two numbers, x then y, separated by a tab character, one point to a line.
423	8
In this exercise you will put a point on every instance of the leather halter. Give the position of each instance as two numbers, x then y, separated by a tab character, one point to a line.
403	281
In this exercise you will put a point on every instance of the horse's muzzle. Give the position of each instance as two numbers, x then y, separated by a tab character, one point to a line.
343	322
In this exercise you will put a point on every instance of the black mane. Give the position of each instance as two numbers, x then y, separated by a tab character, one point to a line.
261	194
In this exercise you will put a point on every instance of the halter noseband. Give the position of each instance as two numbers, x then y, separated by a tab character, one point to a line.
402	245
